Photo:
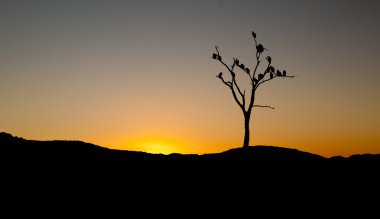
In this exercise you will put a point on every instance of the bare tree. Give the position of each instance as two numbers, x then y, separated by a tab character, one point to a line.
246	100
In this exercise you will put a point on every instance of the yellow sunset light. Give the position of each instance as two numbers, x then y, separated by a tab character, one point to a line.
158	145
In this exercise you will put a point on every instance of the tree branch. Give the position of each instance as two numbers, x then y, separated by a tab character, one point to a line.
257	63
236	99
254	86
225	65
227	83
244	99
254	71
263	106
230	85
291	76
233	77
237	87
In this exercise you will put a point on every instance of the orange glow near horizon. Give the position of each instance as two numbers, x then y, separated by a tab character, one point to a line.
157	145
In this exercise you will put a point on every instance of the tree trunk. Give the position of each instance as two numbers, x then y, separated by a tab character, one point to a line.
246	129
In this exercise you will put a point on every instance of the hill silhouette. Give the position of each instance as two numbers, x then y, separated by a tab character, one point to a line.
75	170
19	150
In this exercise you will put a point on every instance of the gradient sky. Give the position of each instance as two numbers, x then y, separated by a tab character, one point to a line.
137	75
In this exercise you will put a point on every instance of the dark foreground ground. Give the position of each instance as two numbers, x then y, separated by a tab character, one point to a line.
252	177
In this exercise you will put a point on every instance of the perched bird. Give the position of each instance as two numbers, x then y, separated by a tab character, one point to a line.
278	73
271	69
237	62
284	73
219	58
260	48
261	76
214	56
247	70
242	66
269	59
219	75
254	34
267	70
271	75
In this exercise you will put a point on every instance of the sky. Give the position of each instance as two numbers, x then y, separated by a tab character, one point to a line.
138	74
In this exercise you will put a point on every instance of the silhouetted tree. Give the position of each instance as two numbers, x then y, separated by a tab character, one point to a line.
247	102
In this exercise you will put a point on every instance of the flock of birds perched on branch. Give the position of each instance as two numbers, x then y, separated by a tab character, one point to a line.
259	50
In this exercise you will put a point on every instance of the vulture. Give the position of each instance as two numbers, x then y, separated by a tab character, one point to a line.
242	66
254	34
278	73
214	56
261	76
284	73
220	75
260	48
237	62
269	59
247	70
220	58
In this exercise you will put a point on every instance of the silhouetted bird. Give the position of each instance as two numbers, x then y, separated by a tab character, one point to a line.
278	73
271	75
271	69
214	56
237	62
219	58
261	76
269	59
247	70
260	48
220	75
242	66
267	70
254	34
284	73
